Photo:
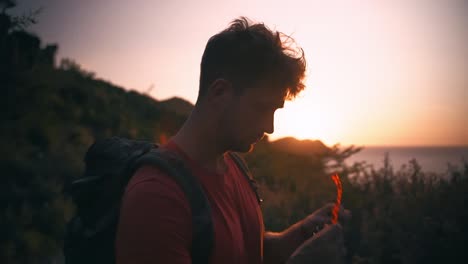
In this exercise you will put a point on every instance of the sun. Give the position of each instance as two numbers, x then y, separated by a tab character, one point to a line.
305	118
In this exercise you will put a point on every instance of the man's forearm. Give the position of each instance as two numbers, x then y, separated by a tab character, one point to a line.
279	246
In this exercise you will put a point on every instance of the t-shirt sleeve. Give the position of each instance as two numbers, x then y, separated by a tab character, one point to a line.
155	221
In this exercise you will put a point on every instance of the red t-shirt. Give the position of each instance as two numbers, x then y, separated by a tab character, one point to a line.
155	224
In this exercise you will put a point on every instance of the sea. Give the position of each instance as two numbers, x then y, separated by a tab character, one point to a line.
431	159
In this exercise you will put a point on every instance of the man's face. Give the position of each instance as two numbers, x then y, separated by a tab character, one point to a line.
250	115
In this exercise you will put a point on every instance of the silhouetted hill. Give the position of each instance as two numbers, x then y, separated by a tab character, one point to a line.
177	105
301	147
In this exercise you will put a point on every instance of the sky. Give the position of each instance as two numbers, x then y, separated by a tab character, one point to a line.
387	73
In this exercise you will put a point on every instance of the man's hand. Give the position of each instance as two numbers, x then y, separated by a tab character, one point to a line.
279	247
313	223
326	246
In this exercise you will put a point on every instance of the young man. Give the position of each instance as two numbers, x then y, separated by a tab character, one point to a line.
247	72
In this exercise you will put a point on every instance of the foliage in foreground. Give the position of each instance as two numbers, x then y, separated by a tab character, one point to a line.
404	216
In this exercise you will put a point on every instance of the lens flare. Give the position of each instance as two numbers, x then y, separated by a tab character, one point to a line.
162	138
339	192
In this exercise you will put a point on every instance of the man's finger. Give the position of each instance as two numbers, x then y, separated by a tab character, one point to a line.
332	232
328	208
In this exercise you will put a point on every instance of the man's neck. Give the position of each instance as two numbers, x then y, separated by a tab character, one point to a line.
200	141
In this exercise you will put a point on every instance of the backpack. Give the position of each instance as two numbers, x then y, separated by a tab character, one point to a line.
109	166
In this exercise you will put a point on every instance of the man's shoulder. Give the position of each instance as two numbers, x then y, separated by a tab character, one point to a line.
150	180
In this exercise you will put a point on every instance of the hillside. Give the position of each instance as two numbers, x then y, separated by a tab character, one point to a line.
177	105
301	147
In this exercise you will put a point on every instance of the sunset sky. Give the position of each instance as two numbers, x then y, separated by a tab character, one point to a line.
379	72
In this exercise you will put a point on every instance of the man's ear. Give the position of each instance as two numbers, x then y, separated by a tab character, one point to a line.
220	91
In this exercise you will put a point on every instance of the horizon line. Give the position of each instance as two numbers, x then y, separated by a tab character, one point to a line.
463	145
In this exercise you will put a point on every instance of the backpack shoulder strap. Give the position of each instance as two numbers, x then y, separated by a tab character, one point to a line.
242	164
175	167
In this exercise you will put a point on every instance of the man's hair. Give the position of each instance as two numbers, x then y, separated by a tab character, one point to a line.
247	54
